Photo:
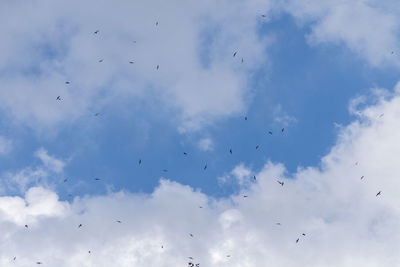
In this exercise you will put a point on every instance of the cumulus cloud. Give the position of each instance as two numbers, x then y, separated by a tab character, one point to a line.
192	44
50	162
206	144
344	222
367	28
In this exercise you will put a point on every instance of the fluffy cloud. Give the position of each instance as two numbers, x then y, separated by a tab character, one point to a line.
344	222
5	145
368	28
193	45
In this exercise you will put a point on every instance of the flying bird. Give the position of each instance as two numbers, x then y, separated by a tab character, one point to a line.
15	258
191	235
140	161
96	32
158	66
264	16
297	240
380	116
80	225
200	207
67	82
379	193
228	256
89	251
165	170
362	177
118	221
230	150
254	177
156	23
184	153
26	226
244	196
205	167
101	60
39	262
245	118
257	146
242	60
131	62
283	129
58	98
234	54
97	179
270	132
303	234
65	180
96	114
281	183
278	223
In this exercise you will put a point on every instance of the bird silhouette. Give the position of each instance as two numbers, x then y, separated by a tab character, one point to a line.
131	62
156	23
245	118
205	167
140	161
234	54
244	196
230	150
118	221
101	60
264	16
26	226
283	129
297	240
58	98
80	225
65	180
191	235
67	82
97	179
184	153
270	132
379	193
254	177
158	66
242	60
380	116
39	262
96	32
362	177
303	234
281	183
257	146
278	223
15	258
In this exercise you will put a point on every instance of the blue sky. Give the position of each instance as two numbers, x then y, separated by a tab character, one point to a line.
304	68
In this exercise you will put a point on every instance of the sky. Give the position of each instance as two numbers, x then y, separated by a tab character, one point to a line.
154	133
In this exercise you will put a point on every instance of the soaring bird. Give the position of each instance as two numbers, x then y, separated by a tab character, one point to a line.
165	170
65	180
80	225
191	234
362	177
15	258
101	60
297	240
303	234
140	161
278	223
158	66
264	16
281	183
270	132
96	32
184	153
97	179
283	129
230	150
245	118
131	62
96	114
378	193
234	54
26	226
39	262
156	23
205	167
228	256
118	221
89	251
244	196
257	146
254	177
380	116
200	207
58	98
67	82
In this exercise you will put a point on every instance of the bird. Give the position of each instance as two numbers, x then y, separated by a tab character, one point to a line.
283	129
380	116
162	246
191	258
242	60
140	161
228	256
58	98
165	170
101	60
156	23
378	193
65	180
245	118
270	132
97	179
281	183
26	226
67	82
191	234
303	234
362	177
257	146
131	62
278	223
158	66
297	240
80	225
254	177
89	251
118	221
96	114
39	262
230	150
184	153
200	207
96	31
205	167
356	163
244	196
264	16
234	54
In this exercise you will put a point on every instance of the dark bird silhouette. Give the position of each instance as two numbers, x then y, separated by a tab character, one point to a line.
96	114
67	82
234	54
379	193
156	23
362	177
162	246
257	146
118	221
297	240
228	256
245	118
97	179
184	153
26	226
356	163
140	161
101	60
80	225
380	116
65	180
230	150
158	66
254	177
303	234
89	251
205	167
244	196
200	207
392	53
283	129
281	183
165	170
264	16
191	235
39	262
96	32
131	62
15	258
270	132
191	258
58	98
278	223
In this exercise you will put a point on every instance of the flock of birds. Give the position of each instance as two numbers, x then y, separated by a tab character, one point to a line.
190	263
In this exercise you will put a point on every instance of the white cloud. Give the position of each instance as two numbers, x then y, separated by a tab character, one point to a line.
368	28
5	145
206	144
193	44
344	222
50	162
